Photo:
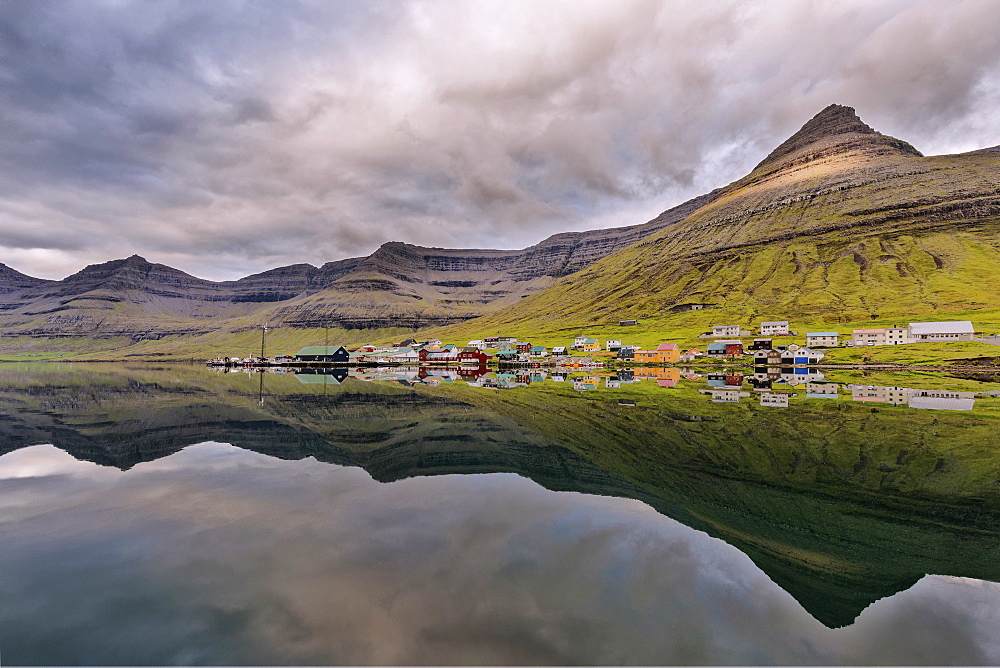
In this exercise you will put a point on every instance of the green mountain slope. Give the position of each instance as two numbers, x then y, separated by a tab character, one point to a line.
840	223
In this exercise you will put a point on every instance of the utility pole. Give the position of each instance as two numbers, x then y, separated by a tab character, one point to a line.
263	331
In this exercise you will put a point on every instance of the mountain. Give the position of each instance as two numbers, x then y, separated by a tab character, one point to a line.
399	285
839	221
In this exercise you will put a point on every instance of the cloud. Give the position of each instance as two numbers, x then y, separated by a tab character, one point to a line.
271	134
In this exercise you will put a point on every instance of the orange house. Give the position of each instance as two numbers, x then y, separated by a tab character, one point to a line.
664	353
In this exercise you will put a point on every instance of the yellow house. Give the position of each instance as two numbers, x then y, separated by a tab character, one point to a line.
664	354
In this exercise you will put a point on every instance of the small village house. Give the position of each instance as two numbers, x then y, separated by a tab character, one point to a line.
586	344
761	344
822	339
690	355
664	354
473	356
776	328
627	352
538	351
774	399
895	336
627	323
522	347
868	337
767	357
613	345
725	330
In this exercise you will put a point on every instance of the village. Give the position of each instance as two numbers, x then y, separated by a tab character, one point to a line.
772	344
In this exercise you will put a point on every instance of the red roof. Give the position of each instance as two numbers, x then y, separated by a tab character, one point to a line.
667	346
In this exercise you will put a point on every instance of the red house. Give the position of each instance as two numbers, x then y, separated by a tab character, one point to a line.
472	356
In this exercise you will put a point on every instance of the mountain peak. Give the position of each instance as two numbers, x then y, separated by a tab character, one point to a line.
836	129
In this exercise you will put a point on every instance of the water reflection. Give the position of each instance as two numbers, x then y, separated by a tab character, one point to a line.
834	503
217	555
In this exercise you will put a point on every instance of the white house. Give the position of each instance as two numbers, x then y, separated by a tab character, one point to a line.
774	399
559	350
895	336
822	390
725	330
613	344
822	339
725	396
478	344
777	328
956	330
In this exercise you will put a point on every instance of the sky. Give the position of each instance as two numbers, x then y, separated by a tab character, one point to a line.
226	138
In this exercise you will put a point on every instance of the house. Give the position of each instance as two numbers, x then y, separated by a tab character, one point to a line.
405	343
822	390
579	341
627	323
585	383
804	355
507	356
774	399
719	348
405	356
895	336
767	357
725	330
761	344
586	344
725	396
326	354
822	339
612	383
691	355
433	343
776	328
443	356
664	353
477	343
868	337
473	356
538	351
612	345
956	330
559	350
522	347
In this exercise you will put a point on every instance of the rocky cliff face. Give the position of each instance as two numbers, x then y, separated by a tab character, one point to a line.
398	285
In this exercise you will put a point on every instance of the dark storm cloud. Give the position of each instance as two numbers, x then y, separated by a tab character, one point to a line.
229	137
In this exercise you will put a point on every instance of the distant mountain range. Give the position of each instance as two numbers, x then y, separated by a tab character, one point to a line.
399	285
837	219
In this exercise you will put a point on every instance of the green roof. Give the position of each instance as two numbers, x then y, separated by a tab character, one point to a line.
319	350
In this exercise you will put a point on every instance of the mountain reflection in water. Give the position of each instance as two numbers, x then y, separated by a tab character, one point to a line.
233	557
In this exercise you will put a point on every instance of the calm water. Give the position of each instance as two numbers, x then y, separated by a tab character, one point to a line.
174	515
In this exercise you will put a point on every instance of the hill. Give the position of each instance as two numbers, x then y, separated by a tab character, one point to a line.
838	224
